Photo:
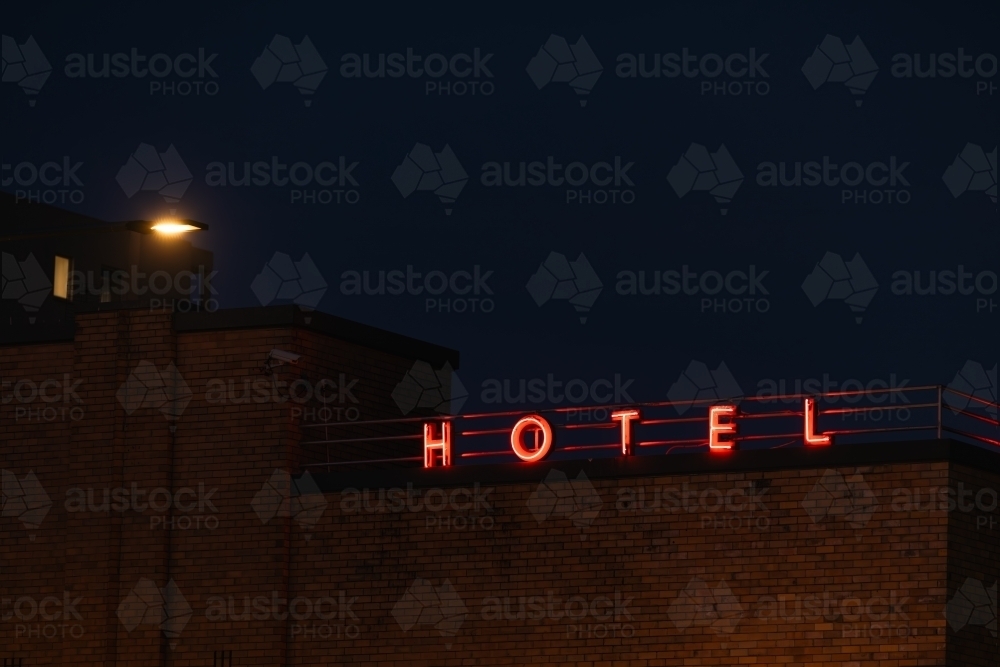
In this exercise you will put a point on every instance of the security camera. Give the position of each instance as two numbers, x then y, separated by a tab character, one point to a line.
276	358
284	357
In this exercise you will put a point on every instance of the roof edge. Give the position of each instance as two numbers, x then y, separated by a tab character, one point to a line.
336	327
284	316
837	456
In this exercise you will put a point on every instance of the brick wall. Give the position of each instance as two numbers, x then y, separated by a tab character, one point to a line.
973	565
204	433
802	578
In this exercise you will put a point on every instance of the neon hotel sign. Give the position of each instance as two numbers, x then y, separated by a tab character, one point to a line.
532	437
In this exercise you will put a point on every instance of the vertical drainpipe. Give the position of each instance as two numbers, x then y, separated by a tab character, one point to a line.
124	339
171	466
289	537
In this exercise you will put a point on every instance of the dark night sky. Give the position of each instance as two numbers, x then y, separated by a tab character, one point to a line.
511	230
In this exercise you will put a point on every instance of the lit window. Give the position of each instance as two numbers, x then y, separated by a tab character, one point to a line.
60	277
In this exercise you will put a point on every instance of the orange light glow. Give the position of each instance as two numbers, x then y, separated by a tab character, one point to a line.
171	227
810	426
626	417
717	429
540	427
432	444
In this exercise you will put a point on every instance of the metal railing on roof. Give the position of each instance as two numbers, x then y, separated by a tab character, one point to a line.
766	422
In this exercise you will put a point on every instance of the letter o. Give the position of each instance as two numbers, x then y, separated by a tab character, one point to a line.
515	438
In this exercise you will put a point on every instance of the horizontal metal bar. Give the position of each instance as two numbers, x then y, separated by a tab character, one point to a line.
491	431
981	418
658	443
982	401
574	448
703	444
679	420
654	404
790	442
855	392
862	431
908	406
747	438
347	463
765	415
380	438
974	436
401	420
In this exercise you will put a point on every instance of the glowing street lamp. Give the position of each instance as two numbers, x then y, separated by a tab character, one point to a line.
165	226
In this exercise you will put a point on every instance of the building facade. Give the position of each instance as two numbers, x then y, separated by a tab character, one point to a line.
163	506
55	260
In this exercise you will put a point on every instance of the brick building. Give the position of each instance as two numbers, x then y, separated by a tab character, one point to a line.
157	510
